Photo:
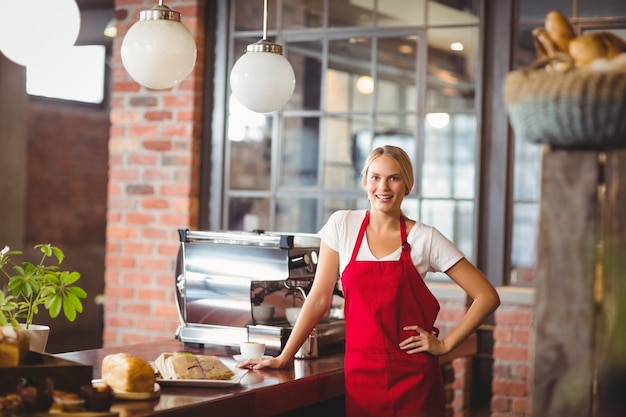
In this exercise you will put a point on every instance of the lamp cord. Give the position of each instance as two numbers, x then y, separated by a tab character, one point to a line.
265	20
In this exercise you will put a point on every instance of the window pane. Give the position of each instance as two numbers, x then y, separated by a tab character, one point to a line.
297	215
527	172
300	150
75	73
453	13
339	163
298	14
453	219
452	68
538	9
351	13
449	156
401	13
395	70
249	138
524	245
248	214
348	59
331	205
249	14
306	60
601	8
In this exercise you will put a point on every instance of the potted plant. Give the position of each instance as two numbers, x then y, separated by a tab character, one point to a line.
31	286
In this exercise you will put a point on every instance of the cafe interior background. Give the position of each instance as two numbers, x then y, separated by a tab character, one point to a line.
109	170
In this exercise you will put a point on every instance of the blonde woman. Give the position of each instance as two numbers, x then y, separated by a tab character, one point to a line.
392	347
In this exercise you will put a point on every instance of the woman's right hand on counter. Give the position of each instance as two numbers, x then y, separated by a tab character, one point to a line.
275	363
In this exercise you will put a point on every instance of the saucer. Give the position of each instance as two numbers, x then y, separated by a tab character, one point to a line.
240	358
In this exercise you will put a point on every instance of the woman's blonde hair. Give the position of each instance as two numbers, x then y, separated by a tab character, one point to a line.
398	155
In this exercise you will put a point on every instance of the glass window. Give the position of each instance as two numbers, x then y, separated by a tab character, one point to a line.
306	60
449	156
453	12
452	68
76	74
299	151
365	77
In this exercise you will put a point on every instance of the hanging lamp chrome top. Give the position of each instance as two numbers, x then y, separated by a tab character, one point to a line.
265	46
160	12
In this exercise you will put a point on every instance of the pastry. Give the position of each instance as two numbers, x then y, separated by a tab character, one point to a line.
595	45
128	373
189	366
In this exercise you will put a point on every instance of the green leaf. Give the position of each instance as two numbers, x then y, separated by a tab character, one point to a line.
77	292
54	304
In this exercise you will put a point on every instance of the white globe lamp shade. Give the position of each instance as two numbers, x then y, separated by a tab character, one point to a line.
262	80
32	28
158	51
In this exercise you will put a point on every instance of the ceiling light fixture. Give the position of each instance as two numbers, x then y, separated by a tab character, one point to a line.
158	51
262	79
34	30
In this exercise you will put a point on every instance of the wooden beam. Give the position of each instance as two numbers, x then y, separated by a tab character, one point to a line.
564	313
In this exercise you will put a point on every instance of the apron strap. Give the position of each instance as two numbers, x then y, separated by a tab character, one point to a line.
406	248
359	238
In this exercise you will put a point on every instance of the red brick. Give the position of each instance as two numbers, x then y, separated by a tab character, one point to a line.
119	292
143	160
513	353
138	131
158	115
523	336
500	404
510	388
157	145
521	405
120	232
519	318
174	189
152	295
155	174
119	261
120	86
154	203
136	308
139	218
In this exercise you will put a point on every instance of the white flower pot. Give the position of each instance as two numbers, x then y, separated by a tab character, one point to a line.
38	336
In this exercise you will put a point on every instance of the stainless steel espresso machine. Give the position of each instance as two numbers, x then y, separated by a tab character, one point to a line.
236	286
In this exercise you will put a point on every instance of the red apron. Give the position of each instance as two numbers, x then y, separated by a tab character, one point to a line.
381	297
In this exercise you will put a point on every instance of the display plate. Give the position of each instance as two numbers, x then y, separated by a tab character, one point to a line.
205	383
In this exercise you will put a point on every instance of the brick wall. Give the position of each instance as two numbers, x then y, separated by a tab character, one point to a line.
512	351
153	187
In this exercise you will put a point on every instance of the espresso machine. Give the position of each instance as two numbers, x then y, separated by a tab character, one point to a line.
234	286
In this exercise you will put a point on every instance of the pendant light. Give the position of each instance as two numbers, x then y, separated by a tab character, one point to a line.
33	30
158	51
262	80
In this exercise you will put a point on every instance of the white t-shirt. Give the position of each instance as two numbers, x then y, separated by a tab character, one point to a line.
430	250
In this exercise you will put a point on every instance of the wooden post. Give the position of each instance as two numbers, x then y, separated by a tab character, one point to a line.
611	291
582	232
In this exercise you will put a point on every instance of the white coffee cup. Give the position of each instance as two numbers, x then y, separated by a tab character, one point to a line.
252	350
292	313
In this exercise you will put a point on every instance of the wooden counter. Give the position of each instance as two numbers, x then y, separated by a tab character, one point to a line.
308	387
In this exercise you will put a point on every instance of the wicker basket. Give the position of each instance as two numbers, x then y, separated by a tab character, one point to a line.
577	109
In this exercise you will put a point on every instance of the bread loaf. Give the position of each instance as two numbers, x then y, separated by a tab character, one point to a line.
188	366
125	372
14	345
